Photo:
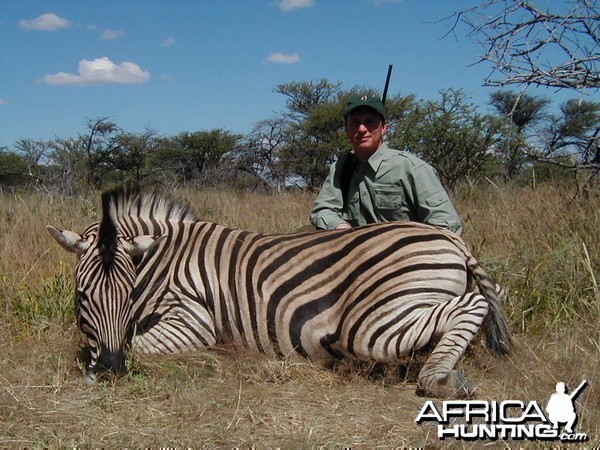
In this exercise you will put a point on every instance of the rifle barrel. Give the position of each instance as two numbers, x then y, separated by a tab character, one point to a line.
387	83
578	389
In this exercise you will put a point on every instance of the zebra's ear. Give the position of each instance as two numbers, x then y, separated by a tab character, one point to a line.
70	241
141	244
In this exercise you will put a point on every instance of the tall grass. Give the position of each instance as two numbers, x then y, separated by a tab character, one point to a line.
542	245
36	275
36	281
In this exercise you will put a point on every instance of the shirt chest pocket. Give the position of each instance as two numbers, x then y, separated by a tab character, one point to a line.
388	199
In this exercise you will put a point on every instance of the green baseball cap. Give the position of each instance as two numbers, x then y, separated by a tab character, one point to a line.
365	100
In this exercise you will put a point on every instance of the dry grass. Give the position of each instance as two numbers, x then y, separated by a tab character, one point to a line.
532	241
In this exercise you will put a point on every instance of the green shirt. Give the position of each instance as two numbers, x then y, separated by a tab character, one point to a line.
391	185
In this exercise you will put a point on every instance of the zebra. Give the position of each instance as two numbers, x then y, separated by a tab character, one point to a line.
152	277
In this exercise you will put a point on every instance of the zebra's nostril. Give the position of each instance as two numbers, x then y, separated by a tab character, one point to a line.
111	362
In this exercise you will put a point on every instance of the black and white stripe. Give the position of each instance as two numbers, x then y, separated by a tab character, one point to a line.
150	270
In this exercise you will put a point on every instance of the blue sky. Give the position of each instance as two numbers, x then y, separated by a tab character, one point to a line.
183	65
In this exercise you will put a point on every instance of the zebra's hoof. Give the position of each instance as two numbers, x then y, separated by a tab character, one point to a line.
460	385
454	385
90	379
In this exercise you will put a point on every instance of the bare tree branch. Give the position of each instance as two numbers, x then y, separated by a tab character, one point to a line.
530	46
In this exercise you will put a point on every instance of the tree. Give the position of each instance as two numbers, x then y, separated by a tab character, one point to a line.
68	169
557	45
34	153
530	134
197	156
571	140
304	96
449	134
130	159
260	156
100	146
517	114
403	118
313	134
13	170
314	143
528	45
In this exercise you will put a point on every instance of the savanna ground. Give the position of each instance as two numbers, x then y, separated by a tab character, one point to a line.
541	244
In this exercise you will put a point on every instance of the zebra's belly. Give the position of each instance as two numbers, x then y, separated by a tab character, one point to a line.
381	328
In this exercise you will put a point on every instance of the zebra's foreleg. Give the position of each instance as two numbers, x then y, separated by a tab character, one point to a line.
457	322
181	326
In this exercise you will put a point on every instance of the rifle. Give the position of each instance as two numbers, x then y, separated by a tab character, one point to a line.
578	389
387	84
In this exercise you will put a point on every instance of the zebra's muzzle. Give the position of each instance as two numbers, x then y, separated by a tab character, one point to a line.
109	363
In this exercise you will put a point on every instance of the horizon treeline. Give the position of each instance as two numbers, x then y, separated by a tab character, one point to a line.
520	140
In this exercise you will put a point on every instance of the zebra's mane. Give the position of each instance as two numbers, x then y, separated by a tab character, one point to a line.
129	203
132	201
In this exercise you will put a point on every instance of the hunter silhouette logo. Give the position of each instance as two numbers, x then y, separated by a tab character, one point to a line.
508	419
560	407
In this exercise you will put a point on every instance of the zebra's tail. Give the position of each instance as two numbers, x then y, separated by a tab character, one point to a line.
495	324
497	333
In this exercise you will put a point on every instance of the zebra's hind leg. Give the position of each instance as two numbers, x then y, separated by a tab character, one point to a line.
456	322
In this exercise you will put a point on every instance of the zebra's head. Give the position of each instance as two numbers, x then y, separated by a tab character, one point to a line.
105	279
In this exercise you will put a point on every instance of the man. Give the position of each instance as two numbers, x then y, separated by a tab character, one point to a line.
375	183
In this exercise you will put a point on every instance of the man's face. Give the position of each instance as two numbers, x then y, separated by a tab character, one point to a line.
365	129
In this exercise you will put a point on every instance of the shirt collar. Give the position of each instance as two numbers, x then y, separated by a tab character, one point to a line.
378	157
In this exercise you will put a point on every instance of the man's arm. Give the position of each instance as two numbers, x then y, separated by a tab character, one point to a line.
430	200
327	210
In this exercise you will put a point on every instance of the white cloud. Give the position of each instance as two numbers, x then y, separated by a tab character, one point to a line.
167	42
100	71
3	102
282	58
110	35
290	5
45	22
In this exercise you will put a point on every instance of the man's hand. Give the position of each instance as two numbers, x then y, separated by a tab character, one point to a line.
343	226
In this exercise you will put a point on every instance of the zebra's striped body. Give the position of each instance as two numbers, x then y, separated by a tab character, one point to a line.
373	293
